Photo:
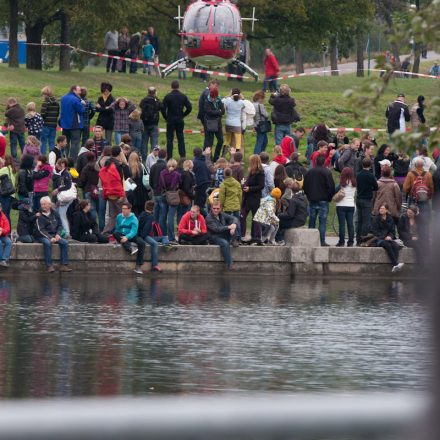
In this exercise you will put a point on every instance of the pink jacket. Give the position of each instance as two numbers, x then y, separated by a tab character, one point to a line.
41	180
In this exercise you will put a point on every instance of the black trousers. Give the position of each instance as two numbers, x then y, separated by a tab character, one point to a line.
137	240
111	62
93	238
392	249
209	142
178	128
194	239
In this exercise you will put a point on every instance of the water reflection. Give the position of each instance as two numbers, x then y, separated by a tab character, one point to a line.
109	335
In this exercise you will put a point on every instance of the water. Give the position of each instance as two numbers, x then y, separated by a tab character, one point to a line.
112	335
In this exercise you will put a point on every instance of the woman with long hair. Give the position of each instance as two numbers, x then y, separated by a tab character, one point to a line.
102	202
252	188
7	168
345	206
279	176
138	196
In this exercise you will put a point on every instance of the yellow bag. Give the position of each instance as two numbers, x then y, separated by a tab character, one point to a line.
213	197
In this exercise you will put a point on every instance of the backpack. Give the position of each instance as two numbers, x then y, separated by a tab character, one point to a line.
156	230
420	191
6	186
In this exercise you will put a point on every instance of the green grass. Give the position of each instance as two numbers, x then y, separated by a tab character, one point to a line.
319	99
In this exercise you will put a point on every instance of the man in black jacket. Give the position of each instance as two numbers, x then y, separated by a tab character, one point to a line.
175	108
319	187
366	185
201	113
295	215
397	114
150	108
159	202
294	169
222	229
48	231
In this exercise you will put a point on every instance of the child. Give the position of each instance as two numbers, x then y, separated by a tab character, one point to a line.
33	121
148	56
42	175
15	124
32	148
135	129
220	166
122	108
26	221
231	197
157	66
278	159
237	167
267	217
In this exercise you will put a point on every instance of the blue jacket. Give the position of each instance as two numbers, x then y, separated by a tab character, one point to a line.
146	220
72	111
201	171
127	226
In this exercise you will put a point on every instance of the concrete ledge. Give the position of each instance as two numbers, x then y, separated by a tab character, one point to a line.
287	260
302	237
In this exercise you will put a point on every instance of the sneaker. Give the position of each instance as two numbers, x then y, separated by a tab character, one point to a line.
4	264
280	243
134	249
340	244
65	268
350	244
50	269
138	270
325	244
156	269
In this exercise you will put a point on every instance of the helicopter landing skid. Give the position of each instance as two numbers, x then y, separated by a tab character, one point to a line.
248	68
173	66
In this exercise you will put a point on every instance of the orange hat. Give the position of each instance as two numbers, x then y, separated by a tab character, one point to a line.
276	193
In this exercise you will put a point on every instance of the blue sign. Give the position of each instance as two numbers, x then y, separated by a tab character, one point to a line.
4	51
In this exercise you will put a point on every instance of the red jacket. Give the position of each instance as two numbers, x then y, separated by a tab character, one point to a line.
111	182
187	224
271	67
287	146
2	146
4	224
280	159
328	159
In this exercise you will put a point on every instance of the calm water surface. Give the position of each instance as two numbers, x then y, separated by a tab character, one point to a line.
110	335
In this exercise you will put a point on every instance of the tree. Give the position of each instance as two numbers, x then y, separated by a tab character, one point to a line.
13	31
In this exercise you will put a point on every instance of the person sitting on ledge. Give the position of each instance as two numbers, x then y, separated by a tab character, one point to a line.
48	230
126	233
26	221
192	228
222	229
84	227
294	208
5	241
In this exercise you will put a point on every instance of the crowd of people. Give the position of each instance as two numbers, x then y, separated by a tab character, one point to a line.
122	187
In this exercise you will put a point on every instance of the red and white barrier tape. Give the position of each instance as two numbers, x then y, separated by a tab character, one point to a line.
225	74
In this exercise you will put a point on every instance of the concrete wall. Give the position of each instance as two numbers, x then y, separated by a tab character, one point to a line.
282	260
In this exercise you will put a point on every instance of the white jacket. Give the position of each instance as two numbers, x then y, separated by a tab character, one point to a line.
247	114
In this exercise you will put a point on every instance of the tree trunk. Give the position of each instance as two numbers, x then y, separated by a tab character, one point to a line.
416	65
360	55
395	50
64	38
13	31
334	56
34	34
299	63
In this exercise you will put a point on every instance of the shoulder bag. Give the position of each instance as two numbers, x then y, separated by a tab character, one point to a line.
264	126
212	125
6	185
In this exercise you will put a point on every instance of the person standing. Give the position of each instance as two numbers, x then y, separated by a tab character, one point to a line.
366	185
234	106
72	119
154	39
106	118
283	113
99	142
33	121
112	48
271	70
89	112
122	108
15	123
261	115
203	178
175	107
349	156
159	206
345	206
133	47
397	115
214	110
123	42
388	193
181	67
150	112
50	110
147	56
319	188
202	98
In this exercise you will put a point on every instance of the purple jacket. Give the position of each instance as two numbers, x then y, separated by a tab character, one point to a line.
42	178
169	181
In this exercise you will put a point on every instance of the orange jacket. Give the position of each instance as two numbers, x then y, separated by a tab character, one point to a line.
187	224
410	179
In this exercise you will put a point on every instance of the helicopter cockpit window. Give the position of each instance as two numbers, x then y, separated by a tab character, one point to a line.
197	19
225	20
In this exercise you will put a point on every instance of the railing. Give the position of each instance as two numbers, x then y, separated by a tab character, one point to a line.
263	416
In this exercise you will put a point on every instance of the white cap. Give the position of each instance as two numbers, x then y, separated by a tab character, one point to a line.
385	162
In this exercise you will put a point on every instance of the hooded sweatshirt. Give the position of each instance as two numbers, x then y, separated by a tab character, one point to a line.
231	195
42	178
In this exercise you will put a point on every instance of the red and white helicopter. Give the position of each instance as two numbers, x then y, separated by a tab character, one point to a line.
211	35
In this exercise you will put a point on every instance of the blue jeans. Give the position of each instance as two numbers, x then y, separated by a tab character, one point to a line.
25	239
73	141
154	249
47	247
171	214
6	206
48	138
270	83
261	142
318	209
309	152
102	207
225	248
236	214
5	248
62	212
151	134
281	130
345	214
118	136
136	142
13	139
160	212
